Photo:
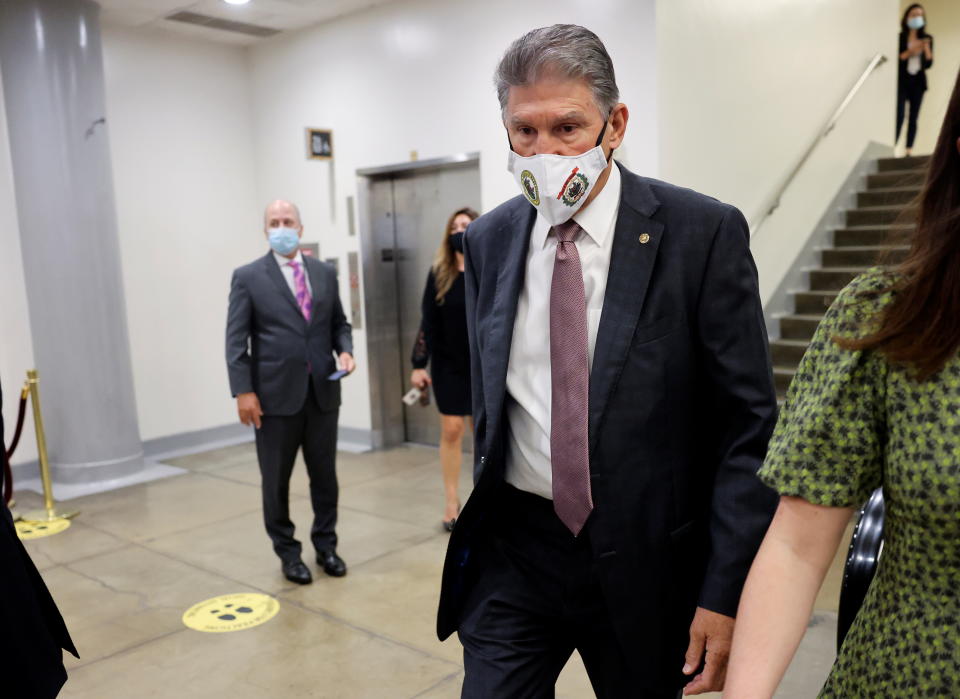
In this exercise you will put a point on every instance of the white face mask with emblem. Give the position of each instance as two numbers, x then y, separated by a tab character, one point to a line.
558	185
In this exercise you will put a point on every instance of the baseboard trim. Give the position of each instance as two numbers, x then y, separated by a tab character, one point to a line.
352	439
155	451
186	443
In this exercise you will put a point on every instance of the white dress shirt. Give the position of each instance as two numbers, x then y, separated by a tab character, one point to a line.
287	271
913	64
528	401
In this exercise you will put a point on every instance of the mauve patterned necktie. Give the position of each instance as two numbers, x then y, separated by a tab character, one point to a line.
303	295
570	381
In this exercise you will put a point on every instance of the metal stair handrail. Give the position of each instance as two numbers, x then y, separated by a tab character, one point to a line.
774	201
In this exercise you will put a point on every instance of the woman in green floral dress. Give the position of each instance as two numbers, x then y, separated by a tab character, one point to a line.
875	402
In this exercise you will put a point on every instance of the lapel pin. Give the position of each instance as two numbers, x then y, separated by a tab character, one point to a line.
644	238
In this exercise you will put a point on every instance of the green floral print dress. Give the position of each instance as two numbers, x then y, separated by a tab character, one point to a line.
853	422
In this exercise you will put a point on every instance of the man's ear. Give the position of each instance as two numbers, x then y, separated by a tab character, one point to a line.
618	121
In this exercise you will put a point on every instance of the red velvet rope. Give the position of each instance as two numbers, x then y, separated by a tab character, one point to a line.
7	453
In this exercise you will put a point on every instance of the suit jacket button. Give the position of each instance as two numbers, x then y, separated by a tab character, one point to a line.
644	238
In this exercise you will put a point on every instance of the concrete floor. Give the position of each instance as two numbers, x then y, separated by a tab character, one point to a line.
135	559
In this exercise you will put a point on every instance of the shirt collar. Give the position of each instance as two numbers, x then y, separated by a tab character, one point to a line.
596	220
283	261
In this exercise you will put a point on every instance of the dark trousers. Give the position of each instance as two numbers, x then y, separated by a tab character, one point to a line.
278	440
537	600
909	90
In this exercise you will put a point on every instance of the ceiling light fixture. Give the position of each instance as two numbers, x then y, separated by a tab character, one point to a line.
236	2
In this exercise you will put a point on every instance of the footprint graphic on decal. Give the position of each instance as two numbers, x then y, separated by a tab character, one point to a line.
227	616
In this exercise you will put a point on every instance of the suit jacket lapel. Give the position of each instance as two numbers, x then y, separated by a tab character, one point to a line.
636	241
515	235
273	271
317	285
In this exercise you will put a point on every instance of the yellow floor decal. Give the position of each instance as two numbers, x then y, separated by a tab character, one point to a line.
37	530
236	612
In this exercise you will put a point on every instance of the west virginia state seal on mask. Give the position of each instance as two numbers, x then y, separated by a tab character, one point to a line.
574	188
530	190
564	180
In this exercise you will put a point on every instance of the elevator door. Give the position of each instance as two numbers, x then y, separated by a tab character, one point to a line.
410	212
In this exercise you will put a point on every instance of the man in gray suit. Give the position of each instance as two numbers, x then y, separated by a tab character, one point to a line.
284	323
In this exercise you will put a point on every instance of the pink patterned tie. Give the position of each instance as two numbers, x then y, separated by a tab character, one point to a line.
570	381
300	282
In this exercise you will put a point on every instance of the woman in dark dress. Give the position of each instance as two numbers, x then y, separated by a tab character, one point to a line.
916	56
442	340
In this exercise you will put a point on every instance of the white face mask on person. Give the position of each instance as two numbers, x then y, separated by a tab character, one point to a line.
558	185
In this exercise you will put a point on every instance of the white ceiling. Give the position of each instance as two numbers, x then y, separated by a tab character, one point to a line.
276	14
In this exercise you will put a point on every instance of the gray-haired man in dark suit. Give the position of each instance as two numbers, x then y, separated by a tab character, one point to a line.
622	397
284	324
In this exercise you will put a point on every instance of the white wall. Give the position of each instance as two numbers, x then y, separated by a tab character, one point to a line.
944	24
745	85
181	135
724	97
16	346
203	135
417	75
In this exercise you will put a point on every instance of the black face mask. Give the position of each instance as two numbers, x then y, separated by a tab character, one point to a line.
456	242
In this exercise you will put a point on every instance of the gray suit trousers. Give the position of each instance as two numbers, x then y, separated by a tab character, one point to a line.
279	439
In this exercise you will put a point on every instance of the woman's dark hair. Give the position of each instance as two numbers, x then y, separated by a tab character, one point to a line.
921	326
445	268
904	29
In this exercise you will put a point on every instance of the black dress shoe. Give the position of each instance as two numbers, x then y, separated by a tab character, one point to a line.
332	564
296	571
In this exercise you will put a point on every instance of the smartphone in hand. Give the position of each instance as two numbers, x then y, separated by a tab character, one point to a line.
337	375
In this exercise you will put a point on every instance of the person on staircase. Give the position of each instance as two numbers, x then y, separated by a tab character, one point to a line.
916	56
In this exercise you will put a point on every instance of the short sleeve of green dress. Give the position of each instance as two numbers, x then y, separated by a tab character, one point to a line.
853	422
828	445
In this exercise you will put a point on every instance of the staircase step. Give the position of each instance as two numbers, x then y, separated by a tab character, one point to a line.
788	353
833	279
896	178
813	302
859	236
782	376
867	256
880	215
915	162
799	327
892	196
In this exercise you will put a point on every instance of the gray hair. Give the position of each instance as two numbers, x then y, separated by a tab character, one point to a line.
567	50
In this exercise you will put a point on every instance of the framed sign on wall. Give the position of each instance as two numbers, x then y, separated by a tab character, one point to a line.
319	144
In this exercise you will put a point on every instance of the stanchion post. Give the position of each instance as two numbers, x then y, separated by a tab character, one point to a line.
49	512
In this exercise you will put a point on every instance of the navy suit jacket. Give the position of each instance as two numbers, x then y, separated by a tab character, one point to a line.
682	405
270	345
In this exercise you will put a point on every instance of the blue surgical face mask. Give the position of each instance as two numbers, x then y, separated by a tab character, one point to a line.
284	240
916	22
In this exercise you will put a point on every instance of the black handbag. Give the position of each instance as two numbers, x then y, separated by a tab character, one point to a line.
866	546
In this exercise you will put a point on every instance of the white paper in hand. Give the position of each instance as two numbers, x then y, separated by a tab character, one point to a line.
412	396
